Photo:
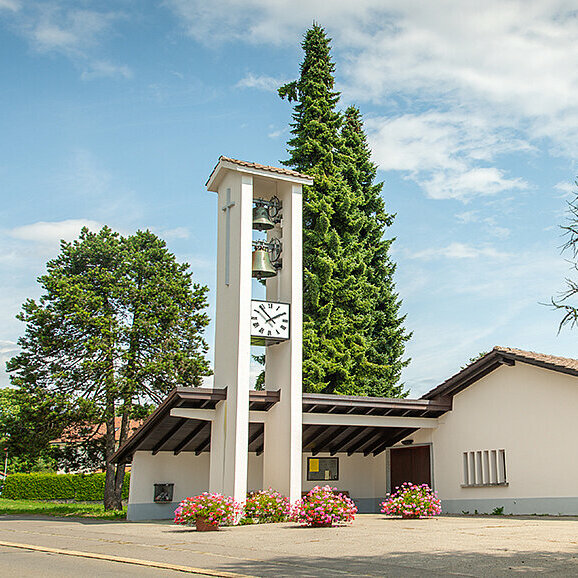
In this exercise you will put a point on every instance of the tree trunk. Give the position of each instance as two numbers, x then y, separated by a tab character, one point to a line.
111	502
121	468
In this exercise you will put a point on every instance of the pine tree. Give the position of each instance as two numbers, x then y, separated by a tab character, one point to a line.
120	322
342	349
386	336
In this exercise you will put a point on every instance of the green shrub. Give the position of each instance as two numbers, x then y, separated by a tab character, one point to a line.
77	487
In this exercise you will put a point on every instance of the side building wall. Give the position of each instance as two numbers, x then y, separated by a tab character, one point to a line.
189	474
525	414
364	478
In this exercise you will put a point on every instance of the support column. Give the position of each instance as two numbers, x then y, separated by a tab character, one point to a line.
230	430
283	428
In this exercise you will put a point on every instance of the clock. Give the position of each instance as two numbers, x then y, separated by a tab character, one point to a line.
269	322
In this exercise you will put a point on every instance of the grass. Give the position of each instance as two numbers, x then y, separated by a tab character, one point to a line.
76	509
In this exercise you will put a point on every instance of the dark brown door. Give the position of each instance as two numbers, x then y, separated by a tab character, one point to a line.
410	465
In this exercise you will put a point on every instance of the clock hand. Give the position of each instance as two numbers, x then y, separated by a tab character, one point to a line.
263	308
263	316
278	315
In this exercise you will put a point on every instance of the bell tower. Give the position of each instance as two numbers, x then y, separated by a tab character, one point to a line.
274	197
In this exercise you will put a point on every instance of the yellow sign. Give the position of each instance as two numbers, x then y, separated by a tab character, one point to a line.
313	465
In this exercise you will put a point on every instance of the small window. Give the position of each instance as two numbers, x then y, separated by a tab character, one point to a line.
484	468
322	469
163	492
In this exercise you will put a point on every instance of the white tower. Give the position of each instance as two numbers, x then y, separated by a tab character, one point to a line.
239	184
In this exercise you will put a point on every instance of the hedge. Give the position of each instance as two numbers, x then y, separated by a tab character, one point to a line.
77	487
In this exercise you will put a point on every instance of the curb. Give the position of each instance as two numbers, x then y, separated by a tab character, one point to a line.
123	560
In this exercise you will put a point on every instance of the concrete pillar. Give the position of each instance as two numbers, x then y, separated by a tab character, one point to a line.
283	426
229	439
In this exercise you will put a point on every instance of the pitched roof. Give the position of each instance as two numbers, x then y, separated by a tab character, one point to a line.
497	357
256	166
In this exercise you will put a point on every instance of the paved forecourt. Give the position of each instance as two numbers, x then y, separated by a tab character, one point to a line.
373	546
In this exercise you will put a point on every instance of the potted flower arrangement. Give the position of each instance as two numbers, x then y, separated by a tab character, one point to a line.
266	506
412	501
207	512
323	507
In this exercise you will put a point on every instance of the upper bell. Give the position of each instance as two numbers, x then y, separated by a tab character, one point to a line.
261	219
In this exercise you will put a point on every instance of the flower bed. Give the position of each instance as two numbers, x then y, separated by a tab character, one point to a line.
214	509
322	506
412	501
266	506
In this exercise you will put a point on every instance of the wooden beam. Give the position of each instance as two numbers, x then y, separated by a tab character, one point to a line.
203	446
392	440
318	443
189	437
363	441
256	435
310	435
355	434
157	448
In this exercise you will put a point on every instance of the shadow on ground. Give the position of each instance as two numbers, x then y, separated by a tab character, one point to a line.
418	564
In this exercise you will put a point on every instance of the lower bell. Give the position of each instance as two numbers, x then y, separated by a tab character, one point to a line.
262	267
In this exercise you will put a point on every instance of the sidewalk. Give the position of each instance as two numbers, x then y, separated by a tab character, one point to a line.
373	546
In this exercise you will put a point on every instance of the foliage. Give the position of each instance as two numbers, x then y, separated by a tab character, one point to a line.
498	511
412	501
367	222
18	507
323	506
566	301
475	358
120	323
266	506
352	335
47	486
217	509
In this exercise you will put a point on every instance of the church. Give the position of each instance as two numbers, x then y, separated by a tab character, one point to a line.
498	434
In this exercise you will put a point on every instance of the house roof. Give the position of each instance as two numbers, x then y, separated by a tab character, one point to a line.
254	168
165	432
80	433
496	358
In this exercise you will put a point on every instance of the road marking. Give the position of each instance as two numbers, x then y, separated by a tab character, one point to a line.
123	560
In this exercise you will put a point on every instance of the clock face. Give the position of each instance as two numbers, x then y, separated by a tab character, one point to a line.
269	321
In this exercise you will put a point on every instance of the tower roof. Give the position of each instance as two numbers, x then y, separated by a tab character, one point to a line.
226	163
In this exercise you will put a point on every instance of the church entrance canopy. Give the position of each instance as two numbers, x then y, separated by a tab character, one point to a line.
331	423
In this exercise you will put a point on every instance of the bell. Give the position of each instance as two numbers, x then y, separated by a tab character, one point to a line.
262	268
261	219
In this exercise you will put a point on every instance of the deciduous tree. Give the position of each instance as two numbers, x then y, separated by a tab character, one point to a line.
120	323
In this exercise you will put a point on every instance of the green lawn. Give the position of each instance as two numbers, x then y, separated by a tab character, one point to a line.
79	510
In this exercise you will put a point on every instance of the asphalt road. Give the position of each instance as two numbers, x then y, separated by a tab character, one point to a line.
372	546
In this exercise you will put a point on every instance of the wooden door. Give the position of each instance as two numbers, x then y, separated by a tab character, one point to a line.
410	464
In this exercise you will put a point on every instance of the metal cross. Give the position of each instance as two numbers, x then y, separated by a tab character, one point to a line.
227	209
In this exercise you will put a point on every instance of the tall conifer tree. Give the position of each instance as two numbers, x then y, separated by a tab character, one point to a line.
343	352
385	333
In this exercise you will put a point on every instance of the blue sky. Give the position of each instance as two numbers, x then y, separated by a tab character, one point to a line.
116	112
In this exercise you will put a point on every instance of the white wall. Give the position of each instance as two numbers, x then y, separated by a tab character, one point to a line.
189	473
529	412
363	477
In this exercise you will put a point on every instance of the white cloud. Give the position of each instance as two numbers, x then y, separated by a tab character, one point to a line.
500	76
11	5
69	30
176	233
469	183
102	69
442	151
260	82
566	187
46	232
460	251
